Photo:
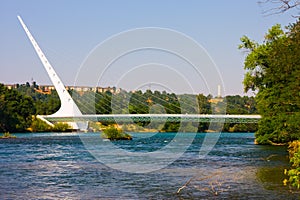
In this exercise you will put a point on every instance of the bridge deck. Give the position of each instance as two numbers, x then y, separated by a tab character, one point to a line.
156	117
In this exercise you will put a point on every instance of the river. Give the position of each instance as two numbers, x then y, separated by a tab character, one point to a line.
59	166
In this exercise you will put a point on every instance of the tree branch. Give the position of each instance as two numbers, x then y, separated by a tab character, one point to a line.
198	179
283	6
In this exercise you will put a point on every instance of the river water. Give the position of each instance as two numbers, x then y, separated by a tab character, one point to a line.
59	166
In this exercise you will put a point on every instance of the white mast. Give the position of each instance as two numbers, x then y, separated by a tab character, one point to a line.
68	107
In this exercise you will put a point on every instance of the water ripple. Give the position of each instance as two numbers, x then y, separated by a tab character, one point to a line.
57	166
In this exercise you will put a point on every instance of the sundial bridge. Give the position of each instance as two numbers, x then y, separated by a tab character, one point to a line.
69	111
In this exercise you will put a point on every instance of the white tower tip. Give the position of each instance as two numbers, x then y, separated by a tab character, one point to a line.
219	91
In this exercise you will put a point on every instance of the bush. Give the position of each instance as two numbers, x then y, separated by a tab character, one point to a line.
7	135
61	127
294	173
113	133
39	125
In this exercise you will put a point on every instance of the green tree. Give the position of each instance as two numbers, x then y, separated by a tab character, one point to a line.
272	70
61	127
113	133
240	105
38	125
103	105
204	105
16	110
44	104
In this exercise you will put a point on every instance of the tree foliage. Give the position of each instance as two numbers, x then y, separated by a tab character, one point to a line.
38	125
294	172
113	133
272	70
61	127
44	104
16	110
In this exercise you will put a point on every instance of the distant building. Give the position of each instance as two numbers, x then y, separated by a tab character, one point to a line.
215	100
218	98
11	86
47	89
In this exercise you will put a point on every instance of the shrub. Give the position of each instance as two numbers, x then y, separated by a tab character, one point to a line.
294	173
38	125
61	127
7	135
113	133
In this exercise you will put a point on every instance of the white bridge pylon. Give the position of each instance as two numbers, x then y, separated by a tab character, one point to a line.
68	106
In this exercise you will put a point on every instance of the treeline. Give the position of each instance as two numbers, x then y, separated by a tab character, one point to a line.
18	108
139	102
44	104
20	104
157	102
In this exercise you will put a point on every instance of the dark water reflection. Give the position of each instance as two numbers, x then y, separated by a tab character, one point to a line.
57	166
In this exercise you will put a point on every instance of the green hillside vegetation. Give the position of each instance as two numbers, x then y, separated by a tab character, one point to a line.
162	102
16	110
19	106
27	99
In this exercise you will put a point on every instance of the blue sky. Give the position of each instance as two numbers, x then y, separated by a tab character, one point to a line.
67	31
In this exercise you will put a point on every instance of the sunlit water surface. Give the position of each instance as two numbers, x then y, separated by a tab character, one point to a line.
58	166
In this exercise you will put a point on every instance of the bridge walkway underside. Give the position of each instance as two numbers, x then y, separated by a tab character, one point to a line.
156	117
